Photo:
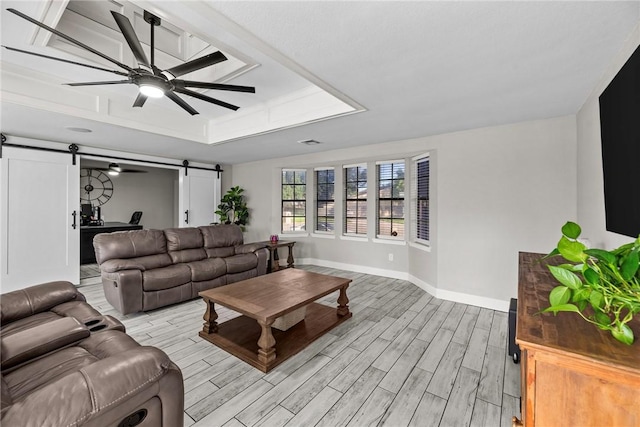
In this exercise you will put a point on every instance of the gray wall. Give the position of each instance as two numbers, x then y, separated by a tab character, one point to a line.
495	191
154	193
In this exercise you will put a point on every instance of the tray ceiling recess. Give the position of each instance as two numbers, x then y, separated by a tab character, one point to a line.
152	81
156	57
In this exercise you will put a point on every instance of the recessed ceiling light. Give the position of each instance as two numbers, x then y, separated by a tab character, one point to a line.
81	130
309	142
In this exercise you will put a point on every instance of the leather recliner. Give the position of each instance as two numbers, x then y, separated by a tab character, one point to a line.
64	364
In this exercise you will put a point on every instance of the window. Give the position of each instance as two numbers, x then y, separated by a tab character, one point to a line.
420	199
294	196
390	199
325	199
355	190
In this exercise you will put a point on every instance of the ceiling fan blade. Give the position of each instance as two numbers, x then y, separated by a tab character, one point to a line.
196	64
70	39
140	100
216	86
66	60
175	98
116	82
132	39
207	98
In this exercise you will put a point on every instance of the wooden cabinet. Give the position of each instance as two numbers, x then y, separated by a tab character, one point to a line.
573	374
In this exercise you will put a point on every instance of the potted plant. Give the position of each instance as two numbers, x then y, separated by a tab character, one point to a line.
601	286
233	208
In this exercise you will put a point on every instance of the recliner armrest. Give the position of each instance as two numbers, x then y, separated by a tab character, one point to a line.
249	248
93	392
34	342
36	299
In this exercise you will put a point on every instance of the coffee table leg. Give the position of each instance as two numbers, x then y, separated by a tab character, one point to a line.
343	301
266	344
210	325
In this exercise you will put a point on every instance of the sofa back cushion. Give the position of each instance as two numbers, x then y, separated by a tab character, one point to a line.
36	299
129	244
221	236
185	244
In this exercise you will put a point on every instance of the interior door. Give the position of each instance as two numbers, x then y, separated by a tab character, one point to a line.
199	197
39	222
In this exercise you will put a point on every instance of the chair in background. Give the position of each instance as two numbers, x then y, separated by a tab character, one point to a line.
135	218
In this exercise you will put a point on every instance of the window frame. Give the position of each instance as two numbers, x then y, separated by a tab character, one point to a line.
391	199
318	201
416	221
358	200
294	201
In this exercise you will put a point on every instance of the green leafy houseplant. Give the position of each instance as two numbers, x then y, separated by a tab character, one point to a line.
601	286
233	208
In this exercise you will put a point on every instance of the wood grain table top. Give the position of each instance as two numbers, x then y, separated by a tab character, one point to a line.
565	332
273	295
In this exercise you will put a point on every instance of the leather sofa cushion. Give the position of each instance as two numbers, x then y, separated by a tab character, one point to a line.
165	277
141	263
240	263
37	341
55	365
207	269
187	255
36	299
220	252
223	235
249	248
129	244
183	238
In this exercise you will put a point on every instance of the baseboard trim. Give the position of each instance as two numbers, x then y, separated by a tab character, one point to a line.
476	300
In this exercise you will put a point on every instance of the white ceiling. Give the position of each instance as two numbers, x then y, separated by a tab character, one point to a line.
418	68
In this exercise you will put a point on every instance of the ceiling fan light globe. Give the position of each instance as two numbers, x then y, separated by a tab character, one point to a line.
151	91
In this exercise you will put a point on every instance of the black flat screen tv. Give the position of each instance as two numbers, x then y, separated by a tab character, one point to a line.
620	132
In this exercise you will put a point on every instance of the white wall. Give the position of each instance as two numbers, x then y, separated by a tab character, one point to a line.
152	192
496	191
591	212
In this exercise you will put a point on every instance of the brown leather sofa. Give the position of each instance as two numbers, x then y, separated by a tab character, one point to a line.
64	364
146	269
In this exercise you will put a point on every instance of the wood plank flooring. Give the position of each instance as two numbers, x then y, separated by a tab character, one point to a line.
404	359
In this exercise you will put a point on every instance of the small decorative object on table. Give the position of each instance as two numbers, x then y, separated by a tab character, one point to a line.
603	287
274	238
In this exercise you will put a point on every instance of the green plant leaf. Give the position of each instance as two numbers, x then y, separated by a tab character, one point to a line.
623	333
622	249
559	296
591	276
581	304
629	266
563	307
572	250
571	230
602	320
567	278
553	253
596	299
602	255
581	294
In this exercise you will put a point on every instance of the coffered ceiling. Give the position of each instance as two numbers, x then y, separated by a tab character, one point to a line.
343	73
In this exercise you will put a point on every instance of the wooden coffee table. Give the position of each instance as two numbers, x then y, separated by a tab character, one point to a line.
263	299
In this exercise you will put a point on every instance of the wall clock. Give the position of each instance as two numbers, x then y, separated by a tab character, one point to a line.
96	187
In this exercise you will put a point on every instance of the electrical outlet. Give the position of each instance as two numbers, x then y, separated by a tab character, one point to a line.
390	257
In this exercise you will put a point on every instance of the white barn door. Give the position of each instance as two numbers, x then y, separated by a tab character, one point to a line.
39	194
199	197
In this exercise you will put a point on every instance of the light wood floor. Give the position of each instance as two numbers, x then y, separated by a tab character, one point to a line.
404	359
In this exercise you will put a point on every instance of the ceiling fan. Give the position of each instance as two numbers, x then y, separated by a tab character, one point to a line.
151	81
